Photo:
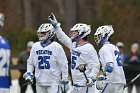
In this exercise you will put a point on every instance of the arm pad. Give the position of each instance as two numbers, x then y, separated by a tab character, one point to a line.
109	67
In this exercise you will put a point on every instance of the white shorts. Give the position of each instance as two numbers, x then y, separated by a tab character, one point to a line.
113	88
83	89
48	89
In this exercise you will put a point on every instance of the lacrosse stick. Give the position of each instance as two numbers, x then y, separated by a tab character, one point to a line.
82	68
132	81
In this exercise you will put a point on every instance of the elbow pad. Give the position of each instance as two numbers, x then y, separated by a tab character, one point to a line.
109	67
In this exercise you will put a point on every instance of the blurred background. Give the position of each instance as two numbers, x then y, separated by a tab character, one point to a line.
23	17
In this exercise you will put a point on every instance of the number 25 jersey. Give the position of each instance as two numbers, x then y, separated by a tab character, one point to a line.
49	62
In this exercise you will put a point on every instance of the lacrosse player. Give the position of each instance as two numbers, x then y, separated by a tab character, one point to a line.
82	52
4	61
110	59
50	62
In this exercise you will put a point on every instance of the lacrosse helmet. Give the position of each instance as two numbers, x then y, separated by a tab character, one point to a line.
1	20
102	34
82	29
48	32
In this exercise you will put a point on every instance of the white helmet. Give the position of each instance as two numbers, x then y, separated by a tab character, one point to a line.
82	29
46	29
103	33
1	20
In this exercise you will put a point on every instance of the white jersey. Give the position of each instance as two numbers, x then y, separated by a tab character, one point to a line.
110	53
49	61
83	54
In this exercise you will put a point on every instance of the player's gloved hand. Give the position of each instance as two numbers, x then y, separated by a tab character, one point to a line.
53	21
105	73
90	82
100	82
28	76
64	83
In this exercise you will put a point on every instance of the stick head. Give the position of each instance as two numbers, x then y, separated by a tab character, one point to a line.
81	67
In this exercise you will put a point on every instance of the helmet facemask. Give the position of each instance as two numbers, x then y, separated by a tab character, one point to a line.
42	35
98	38
76	35
73	34
82	31
103	34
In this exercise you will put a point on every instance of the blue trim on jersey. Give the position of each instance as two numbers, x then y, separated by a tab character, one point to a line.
4	82
48	39
4	43
5	66
104	88
44	45
77	38
87	90
76	85
103	41
81	45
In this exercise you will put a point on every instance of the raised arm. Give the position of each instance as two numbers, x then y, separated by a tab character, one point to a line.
59	33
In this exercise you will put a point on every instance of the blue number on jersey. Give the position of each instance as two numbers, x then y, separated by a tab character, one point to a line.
118	59
73	63
44	63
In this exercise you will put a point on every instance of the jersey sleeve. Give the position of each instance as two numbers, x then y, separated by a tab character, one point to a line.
63	38
30	63
62	62
92	61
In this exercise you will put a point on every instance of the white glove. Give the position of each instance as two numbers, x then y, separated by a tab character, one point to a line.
53	21
28	76
64	84
100	82
90	82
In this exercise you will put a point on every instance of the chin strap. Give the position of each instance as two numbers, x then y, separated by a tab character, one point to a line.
47	40
77	38
103	41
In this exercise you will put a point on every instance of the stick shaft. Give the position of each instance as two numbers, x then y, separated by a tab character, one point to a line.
85	76
131	82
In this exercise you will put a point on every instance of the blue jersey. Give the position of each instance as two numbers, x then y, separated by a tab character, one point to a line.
4	63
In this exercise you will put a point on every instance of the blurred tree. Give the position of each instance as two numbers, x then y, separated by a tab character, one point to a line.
71	13
21	15
28	14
